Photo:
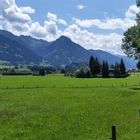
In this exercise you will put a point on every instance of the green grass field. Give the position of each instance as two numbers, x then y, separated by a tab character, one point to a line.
61	108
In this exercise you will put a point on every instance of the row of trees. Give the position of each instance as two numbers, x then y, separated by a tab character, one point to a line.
96	69
37	70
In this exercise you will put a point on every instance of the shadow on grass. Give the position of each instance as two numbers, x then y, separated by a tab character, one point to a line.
135	88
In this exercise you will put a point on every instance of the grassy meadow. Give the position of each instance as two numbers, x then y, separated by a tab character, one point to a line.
55	107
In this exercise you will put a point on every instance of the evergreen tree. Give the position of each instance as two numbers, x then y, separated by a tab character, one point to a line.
94	67
112	66
122	68
105	70
97	66
138	65
42	71
91	65
117	70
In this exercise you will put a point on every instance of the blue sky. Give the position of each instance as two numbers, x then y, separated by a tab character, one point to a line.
94	24
66	10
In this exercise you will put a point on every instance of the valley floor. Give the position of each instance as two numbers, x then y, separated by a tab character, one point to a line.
60	108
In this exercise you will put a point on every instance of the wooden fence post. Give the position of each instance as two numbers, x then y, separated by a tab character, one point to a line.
139	112
114	133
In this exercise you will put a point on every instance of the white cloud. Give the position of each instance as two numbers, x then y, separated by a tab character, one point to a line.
27	10
89	40
111	23
81	7
18	20
51	27
52	30
131	12
1	27
15	14
37	31
6	3
17	29
53	17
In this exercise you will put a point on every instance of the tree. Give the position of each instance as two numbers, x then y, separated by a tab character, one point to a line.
138	14
130	43
42	71
131	40
122	68
63	71
138	65
87	74
105	70
117	70
83	73
95	66
138	3
80	73
91	65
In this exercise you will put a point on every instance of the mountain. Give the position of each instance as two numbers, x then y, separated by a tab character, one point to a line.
38	46
14	51
63	51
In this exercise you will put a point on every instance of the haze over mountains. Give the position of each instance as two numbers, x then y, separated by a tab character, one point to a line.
27	50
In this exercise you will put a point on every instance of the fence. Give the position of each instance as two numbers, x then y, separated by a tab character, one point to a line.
124	85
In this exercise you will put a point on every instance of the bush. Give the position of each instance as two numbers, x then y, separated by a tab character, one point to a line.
83	73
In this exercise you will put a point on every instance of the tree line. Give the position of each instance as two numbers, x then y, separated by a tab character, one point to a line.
96	69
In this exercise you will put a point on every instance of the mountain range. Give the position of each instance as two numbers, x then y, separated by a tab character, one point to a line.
63	51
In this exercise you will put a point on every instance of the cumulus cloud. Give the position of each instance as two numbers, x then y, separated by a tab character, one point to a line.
89	40
18	21
111	23
16	14
1	27
52	30
27	10
131	12
6	3
81	7
51	27
53	17
12	13
37	31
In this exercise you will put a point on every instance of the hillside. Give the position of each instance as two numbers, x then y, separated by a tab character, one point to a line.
14	51
63	51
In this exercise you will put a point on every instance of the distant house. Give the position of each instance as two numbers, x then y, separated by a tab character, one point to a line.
111	72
